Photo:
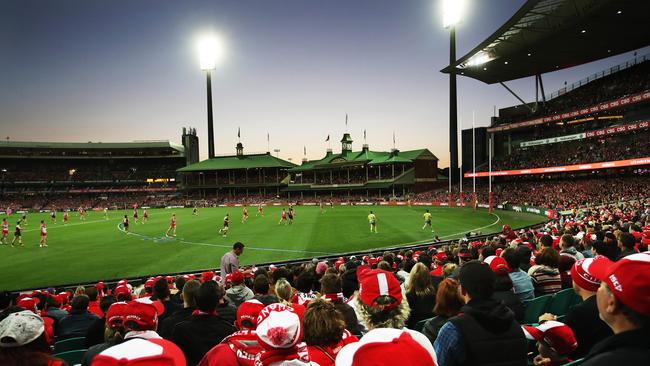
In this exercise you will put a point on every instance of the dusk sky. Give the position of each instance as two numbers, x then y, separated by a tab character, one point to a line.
118	70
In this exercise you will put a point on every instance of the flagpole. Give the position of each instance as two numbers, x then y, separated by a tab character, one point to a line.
449	204
268	142
474	161
490	174
460	153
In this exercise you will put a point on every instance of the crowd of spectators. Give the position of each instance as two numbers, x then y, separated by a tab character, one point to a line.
451	304
617	85
616	147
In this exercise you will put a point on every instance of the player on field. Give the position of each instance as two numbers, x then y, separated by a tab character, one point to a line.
244	215
290	214
145	215
372	220
65	218
195	211
125	223
322	206
53	215
283	217
331	203
260	210
226	221
427	220
105	213
135	215
43	242
5	231
172	226
23	219
18	234
82	214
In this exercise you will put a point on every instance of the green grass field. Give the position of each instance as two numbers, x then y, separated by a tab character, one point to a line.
82	252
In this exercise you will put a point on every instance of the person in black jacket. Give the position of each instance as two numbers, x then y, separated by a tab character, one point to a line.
448	305
486	332
205	328
503	286
189	305
623	300
95	333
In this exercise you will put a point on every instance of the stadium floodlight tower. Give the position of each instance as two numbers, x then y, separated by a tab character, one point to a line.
210	53
452	11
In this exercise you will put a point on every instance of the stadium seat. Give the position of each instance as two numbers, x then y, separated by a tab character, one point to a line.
420	325
535	308
562	301
70	344
73	357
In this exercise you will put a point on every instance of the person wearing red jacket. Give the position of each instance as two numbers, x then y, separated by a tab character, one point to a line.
240	348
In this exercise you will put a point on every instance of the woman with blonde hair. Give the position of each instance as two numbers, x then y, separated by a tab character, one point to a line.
285	292
420	294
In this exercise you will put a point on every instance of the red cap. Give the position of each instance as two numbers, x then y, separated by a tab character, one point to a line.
100	285
123	291
144	312
207	276
376	283
237	278
381	346
150	282
498	265
582	277
248	311
628	279
558	336
116	314
141	352
338	264
170	279
441	257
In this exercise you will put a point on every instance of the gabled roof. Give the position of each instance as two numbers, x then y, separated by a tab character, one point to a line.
362	157
251	161
549	35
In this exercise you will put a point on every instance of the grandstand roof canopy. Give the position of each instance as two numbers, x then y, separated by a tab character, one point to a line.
362	157
90	145
548	35
251	161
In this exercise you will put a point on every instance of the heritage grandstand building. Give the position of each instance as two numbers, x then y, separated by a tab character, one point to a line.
365	172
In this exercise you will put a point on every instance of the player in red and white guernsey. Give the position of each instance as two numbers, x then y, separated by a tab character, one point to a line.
283	217
65	217
226	222
145	216
172	226
82	214
5	231
260	210
43	242
244	215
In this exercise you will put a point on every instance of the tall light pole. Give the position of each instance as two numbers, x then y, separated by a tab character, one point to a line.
452	10
210	50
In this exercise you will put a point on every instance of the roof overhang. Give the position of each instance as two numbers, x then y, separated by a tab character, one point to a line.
548	35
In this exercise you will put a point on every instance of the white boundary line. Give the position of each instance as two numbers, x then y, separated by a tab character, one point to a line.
183	241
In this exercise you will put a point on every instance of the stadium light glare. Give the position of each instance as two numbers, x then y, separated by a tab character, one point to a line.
452	11
211	51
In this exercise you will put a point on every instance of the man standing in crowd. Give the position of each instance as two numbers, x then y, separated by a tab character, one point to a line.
484	327
230	260
623	300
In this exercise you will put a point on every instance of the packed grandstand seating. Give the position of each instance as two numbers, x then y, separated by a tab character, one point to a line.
211	317
617	147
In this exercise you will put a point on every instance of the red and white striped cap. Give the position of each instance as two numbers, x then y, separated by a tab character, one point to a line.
558	336
141	352
376	283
